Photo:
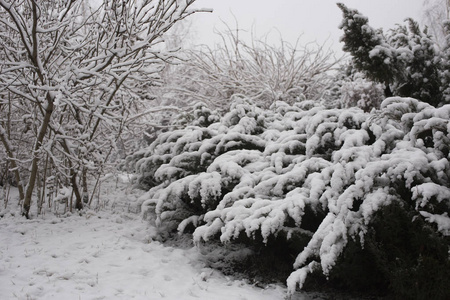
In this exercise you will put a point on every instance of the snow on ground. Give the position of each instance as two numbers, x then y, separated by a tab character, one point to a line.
107	254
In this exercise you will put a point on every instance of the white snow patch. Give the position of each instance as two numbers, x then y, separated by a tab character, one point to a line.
108	254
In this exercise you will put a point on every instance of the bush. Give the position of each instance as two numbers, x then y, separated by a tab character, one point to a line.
337	181
255	69
401	258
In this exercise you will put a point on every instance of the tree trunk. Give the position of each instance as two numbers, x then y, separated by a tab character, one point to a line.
85	186
73	176
34	163
12	161
73	181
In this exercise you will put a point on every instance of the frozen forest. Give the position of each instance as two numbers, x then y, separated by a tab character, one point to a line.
135	167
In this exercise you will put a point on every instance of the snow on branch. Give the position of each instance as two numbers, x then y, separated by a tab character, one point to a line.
318	174
78	68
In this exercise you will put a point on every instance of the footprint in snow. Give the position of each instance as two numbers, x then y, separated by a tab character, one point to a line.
167	278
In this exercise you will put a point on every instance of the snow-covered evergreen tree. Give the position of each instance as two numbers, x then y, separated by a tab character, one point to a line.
417	54
406	60
372	55
324	177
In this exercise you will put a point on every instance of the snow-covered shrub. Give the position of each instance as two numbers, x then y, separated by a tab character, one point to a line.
324	177
257	69
200	115
357	91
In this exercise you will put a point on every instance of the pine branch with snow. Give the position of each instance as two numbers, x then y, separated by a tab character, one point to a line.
320	175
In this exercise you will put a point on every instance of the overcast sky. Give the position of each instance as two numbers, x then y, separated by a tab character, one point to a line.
315	20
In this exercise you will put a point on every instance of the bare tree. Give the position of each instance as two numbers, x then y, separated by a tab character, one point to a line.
257	69
75	70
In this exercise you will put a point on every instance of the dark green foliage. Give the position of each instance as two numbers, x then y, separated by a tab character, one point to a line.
357	271
412	256
360	39
269	262
400	259
420	78
312	218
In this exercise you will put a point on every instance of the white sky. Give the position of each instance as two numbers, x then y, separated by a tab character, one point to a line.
315	20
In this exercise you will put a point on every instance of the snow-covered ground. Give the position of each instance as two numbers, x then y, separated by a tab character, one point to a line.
108	253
